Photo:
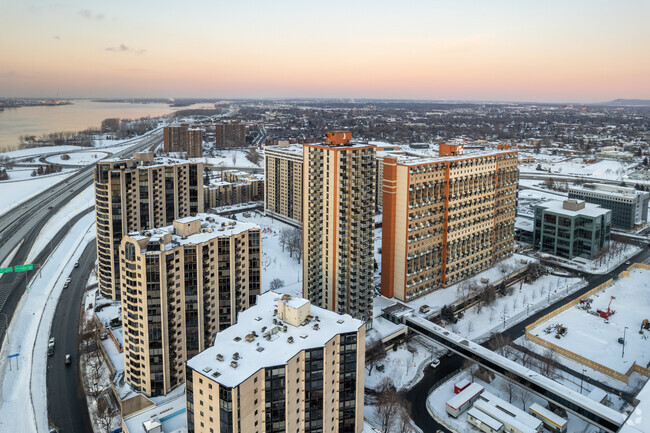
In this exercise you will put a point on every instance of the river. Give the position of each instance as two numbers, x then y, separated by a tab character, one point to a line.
82	114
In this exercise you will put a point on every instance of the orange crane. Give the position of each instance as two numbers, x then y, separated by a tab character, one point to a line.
606	313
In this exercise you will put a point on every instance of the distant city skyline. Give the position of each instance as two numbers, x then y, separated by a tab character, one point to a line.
552	51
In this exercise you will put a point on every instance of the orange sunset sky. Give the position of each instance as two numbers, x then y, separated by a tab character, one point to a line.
568	50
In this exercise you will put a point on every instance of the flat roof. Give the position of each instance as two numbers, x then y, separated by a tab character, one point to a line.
267	343
485	418
170	415
465	395
541	410
590	209
415	160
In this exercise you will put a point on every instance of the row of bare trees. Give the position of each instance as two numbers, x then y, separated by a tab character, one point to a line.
392	409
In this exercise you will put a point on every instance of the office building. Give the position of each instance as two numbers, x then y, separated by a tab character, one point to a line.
136	194
445	218
283	175
184	139
181	284
230	135
629	207
286	366
339	225
571	228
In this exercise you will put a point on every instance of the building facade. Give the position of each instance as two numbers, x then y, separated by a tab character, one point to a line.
181	285
136	194
285	366
230	135
629	207
445	218
184	139
338	225
235	187
571	228
283	166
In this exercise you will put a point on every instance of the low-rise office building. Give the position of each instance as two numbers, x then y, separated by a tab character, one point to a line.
181	285
629	206
285	366
571	228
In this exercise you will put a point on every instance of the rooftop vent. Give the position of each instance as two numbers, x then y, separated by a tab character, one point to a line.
250	337
235	356
207	370
258	318
339	321
237	339
303	336
315	326
216	374
290	340
284	328
260	349
263	328
219	357
233	364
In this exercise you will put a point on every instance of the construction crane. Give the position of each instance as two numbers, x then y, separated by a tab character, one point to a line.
606	313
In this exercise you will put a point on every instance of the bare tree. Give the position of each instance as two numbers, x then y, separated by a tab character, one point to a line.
253	156
285	234
524	396
500	343
106	414
549	365
374	353
294	243
404	422
276	283
388	404
233	156
509	386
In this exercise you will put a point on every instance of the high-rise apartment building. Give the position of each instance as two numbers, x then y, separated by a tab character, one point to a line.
184	139
136	194
285	366
230	135
181	285
283	177
445	218
338	225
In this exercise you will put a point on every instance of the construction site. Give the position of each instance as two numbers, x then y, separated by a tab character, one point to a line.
607	330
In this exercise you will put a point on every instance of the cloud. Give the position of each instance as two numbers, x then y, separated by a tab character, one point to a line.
88	14
124	49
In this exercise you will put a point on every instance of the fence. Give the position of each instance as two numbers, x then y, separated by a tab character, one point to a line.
574	356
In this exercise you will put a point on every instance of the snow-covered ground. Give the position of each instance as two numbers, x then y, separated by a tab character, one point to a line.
437	400
23	391
229	158
77	158
38	151
609	261
79	203
593	337
603	169
15	193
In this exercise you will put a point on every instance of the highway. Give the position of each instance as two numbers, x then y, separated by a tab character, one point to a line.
20	227
66	402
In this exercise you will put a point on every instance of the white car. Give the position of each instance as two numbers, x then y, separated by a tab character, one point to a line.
435	363
51	342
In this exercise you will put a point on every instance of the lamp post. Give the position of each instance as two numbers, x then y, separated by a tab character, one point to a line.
581	379
623	351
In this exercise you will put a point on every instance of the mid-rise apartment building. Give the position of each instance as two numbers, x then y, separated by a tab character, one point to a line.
629	206
184	139
571	228
181	284
136	194
283	175
230	135
445	218
234	188
338	225
286	366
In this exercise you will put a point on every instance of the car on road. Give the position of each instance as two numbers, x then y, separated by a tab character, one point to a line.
50	351
76	264
67	283
51	342
627	263
68	359
435	363
50	207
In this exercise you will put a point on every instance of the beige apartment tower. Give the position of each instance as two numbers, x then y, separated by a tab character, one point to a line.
445	218
283	176
136	194
185	139
286	366
338	225
181	285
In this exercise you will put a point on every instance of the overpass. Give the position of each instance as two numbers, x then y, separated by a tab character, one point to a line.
581	406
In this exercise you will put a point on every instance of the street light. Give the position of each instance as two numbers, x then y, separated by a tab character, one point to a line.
623	351
581	378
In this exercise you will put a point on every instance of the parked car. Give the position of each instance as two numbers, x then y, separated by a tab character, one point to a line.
51	342
50	351
50	208
76	264
67	283
435	363
68	359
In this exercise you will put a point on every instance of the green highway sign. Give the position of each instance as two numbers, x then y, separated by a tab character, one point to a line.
6	270
27	267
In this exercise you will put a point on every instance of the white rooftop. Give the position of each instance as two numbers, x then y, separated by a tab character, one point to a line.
414	160
485	419
212	227
590	209
280	346
170	415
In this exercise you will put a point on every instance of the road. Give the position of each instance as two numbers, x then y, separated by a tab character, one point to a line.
66	403
20	227
417	395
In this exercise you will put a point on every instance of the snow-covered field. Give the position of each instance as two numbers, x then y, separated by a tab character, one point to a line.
595	338
15	193
229	158
78	204
23	397
39	151
604	169
78	158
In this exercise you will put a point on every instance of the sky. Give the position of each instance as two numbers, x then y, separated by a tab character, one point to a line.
499	50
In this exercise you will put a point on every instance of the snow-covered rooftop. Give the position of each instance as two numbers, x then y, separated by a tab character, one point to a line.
590	209
170	416
260	339
211	227
414	160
